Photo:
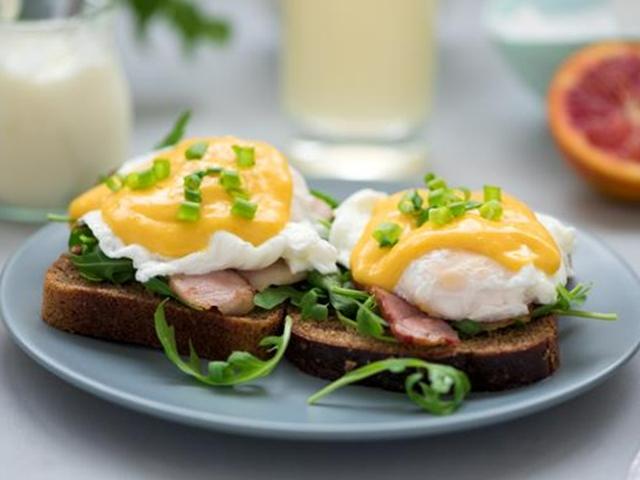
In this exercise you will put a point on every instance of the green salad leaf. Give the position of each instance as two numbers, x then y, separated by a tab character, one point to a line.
239	368
177	131
325	197
438	389
566	303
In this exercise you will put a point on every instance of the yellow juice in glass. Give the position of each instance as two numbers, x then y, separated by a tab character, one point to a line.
358	68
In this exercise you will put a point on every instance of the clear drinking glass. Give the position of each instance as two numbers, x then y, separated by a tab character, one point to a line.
65	111
357	83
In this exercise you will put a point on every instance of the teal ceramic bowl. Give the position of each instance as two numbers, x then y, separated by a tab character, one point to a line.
535	59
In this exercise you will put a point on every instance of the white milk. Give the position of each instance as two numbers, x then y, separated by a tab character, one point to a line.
64	111
358	67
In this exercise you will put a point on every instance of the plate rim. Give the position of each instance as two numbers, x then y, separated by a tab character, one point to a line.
294	430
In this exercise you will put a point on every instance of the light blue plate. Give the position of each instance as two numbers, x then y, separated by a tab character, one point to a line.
145	381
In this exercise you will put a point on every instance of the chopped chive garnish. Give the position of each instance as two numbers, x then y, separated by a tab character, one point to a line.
440	215
196	151
411	202
162	168
210	171
140	180
491	210
230	180
245	156
189	211
458	208
437	198
192	182
436	183
466	193
428	177
192	195
492	192
244	208
387	234
114	182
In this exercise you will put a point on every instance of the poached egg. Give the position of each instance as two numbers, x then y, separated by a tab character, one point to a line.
471	268
142	224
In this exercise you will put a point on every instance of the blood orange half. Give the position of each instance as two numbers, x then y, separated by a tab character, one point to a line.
594	115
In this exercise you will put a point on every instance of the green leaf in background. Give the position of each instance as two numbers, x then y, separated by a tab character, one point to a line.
239	368
186	17
177	131
438	389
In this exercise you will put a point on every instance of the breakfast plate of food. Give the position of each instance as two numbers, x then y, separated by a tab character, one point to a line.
207	283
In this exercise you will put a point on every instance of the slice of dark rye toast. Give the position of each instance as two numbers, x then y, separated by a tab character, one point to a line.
124	313
497	360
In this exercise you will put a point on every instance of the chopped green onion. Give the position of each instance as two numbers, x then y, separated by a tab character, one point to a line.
437	198
491	210
245	156
458	208
196	151
210	171
140	180
411	203
192	195
436	184
428	177
244	208
387	234
192	182
161	168
114	182
466	193
189	211
492	192
230	180
440	215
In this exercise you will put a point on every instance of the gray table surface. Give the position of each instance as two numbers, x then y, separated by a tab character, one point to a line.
484	126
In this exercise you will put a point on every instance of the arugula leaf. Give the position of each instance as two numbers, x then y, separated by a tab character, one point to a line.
271	297
56	217
310	308
95	266
160	286
325	197
177	131
371	324
240	367
566	303
441	392
354	308
468	327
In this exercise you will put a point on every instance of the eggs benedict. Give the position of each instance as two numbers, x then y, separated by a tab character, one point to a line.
218	218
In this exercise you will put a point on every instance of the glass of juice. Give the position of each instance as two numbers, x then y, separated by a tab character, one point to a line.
64	103
357	84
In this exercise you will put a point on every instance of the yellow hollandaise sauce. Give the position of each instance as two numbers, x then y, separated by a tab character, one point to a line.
148	216
517	239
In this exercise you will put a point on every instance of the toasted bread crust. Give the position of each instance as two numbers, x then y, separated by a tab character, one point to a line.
124	313
497	360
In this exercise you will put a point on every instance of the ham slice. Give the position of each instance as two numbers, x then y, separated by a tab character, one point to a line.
226	290
412	326
277	273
